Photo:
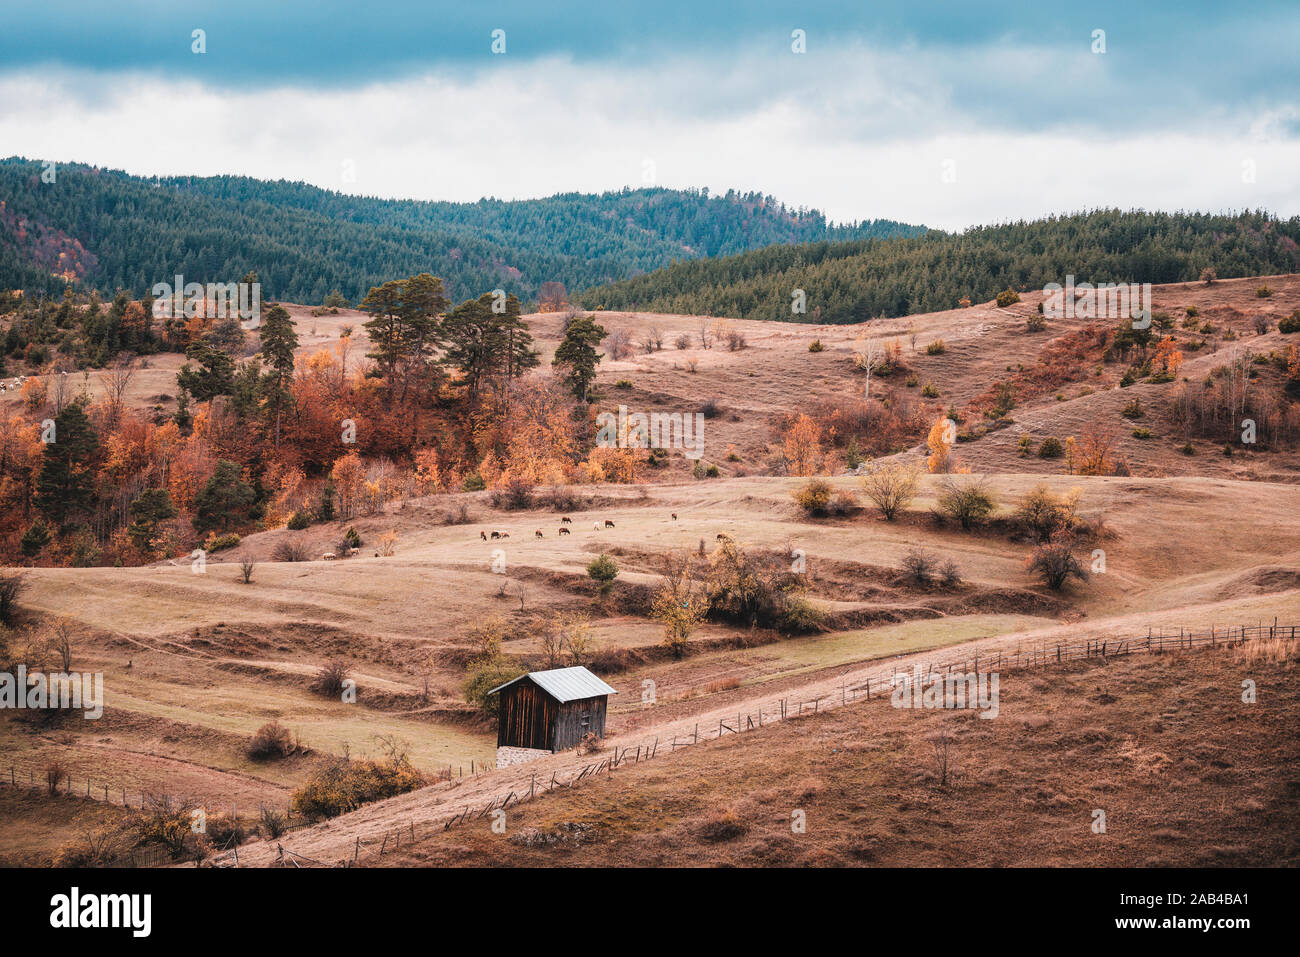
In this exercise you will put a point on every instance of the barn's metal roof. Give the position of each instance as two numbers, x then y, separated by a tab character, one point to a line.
564	684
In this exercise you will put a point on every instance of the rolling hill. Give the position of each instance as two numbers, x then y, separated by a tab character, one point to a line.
106	230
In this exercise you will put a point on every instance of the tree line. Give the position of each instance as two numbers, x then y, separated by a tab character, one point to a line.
858	280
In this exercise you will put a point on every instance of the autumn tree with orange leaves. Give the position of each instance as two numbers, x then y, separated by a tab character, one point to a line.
802	450
942	437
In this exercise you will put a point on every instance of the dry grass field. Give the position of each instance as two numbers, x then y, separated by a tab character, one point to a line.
194	664
1186	774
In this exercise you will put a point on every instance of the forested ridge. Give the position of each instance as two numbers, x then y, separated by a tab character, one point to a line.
858	280
105	230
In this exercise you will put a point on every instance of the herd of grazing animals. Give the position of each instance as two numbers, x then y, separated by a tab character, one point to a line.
596	526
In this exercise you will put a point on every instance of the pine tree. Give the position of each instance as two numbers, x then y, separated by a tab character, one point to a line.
577	353
422	305
152	508
226	499
474	340
214	376
384	303
66	481
278	342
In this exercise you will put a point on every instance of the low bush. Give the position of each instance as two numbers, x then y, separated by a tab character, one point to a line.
331	678
346	785
290	550
216	543
968	502
1051	448
513	496
814	496
271	740
919	565
603	570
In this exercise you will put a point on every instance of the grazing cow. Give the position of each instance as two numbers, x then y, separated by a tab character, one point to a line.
674	516
505	534
328	557
608	523
539	533
354	551
596	526
496	534
566	521
482	535
563	530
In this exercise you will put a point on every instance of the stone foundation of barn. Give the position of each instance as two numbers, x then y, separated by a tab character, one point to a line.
506	757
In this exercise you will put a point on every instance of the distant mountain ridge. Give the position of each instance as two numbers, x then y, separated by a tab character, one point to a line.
106	229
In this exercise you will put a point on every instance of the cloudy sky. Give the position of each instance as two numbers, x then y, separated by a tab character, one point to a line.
947	114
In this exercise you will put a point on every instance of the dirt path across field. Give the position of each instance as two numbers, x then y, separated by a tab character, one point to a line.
364	830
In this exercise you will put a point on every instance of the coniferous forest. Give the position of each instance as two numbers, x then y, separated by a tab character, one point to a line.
105	230
858	280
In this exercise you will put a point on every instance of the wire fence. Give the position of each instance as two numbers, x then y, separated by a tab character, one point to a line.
1035	655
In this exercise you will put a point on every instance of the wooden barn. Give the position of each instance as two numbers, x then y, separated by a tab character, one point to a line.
551	710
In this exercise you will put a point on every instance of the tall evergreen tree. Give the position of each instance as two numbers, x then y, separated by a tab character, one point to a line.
278	342
385	327
225	500
66	481
149	510
577	353
423	303
475	340
213	377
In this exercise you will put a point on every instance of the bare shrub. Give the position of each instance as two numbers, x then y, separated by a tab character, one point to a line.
1041	512
459	515
289	550
920	565
562	498
892	487
683	341
272	823
271	740
943	755
515	495
619	344
61	644
246	570
950	574
329	681
97	848
1055	561
968	501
